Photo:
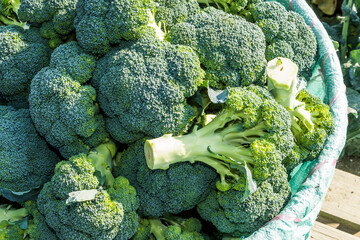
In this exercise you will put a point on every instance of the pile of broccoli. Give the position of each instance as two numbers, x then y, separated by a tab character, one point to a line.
152	119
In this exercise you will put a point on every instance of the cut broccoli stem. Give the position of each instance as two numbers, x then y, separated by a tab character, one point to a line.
283	85
218	144
101	157
12	215
157	228
10	21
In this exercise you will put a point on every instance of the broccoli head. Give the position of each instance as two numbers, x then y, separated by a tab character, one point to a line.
287	35
84	201
233	214
60	13
145	87
177	189
227	62
26	161
311	119
250	132
22	54
63	106
244	144
169	228
171	12
102	23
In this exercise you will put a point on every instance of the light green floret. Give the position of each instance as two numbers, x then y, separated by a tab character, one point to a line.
24	223
311	120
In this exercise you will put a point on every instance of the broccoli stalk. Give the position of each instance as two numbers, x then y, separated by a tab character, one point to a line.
157	228
10	21
10	5
101	158
229	6
284	86
12	215
224	144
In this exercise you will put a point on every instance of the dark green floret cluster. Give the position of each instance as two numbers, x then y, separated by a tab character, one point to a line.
63	107
22	54
26	161
99	24
61	14
287	35
177	189
144	89
227	63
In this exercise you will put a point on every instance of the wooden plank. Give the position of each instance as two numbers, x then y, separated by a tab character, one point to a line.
321	231
342	201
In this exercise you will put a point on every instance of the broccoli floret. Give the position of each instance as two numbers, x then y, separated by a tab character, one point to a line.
287	35
48	31
224	43
15	224
177	189
233	215
22	54
169	228
26	161
63	106
245	134
144	90
104	62
171	12
311	119
108	214
101	23
60	13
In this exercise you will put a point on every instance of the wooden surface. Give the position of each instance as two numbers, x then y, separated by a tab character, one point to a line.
324	232
339	217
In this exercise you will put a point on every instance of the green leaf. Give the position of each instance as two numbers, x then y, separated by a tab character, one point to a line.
251	186
218	96
355	56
